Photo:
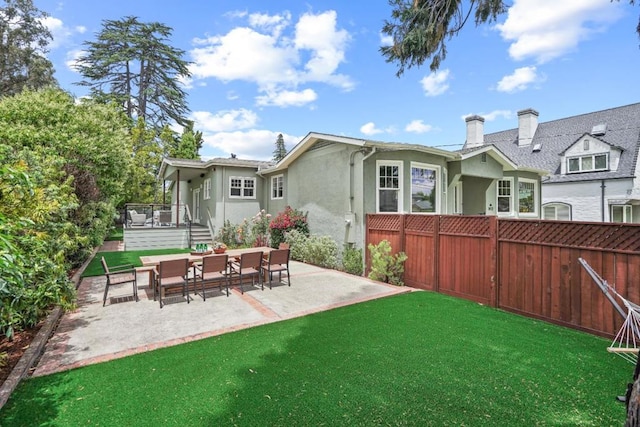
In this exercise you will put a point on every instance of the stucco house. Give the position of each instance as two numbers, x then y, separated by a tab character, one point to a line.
338	180
591	159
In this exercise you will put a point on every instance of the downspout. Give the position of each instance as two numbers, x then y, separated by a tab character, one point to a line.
351	172
602	188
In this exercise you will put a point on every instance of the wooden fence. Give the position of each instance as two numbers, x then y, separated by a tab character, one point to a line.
529	267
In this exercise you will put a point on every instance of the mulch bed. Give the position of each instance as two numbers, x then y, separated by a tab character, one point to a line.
15	348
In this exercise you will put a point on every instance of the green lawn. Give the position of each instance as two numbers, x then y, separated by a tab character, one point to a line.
420	359
124	257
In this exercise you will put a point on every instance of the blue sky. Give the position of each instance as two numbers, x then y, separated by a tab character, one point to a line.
263	68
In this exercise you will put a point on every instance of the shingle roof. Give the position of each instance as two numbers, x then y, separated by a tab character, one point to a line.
555	137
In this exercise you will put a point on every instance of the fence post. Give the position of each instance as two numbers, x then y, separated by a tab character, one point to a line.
493	261
436	253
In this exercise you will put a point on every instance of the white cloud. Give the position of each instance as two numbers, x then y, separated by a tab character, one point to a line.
224	121
370	129
60	32
261	53
386	40
520	80
493	115
436	83
286	98
72	58
252	144
418	126
547	29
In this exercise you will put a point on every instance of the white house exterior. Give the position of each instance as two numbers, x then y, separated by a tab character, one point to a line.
592	161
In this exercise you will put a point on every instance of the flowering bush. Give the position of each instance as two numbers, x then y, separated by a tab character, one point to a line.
260	229
289	219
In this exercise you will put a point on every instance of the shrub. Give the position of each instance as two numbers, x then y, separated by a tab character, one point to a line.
227	234
259	233
386	267
289	219
317	250
352	260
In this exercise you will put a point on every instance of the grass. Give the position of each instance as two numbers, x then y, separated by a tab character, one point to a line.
420	359
123	258
116	233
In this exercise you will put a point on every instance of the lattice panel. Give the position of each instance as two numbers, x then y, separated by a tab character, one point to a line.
586	235
384	222
423	223
465	225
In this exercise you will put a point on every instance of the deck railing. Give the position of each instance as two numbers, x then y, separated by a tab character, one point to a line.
153	215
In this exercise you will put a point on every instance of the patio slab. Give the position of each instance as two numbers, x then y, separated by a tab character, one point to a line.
93	333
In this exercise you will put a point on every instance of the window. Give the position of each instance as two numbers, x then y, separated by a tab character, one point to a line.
457	198
592	162
621	213
424	188
277	187
585	145
389	194
557	211
505	196
241	187
527	197
207	189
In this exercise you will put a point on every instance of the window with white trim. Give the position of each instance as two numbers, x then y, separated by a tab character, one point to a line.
504	200
424	188
621	213
389	186
557	211
527	197
588	163
242	187
207	189
277	187
457	198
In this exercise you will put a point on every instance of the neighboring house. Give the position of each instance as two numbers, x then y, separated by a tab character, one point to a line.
338	180
592	161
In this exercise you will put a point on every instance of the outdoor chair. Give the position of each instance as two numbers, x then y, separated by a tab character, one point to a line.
248	266
172	274
214	270
277	262
136	218
119	275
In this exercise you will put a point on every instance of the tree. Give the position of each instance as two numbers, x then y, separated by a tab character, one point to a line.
186	146
280	152
23	46
132	63
419	28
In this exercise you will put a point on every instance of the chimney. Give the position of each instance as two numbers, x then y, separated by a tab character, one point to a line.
527	125
475	131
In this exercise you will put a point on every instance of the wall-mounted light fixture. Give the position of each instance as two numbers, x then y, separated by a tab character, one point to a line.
189	182
201	175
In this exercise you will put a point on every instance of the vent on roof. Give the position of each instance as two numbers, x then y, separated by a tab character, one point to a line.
600	129
537	147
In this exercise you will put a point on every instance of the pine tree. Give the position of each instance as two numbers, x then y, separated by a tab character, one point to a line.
280	152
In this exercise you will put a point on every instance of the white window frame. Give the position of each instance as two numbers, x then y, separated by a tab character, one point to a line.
277	187
555	206
457	198
400	189
536	197
206	191
243	187
437	172
627	213
510	196
593	163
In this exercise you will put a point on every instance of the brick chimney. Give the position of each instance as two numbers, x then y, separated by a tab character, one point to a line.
527	125
475	131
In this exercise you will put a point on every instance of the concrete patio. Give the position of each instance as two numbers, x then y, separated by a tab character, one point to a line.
93	333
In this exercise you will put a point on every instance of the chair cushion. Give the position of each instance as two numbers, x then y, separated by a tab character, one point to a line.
175	280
